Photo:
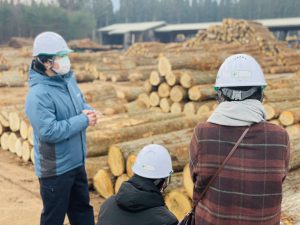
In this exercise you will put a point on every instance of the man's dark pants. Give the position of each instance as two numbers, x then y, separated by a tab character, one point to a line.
66	194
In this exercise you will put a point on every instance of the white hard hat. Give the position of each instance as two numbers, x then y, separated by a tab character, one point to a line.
50	43
240	70
153	161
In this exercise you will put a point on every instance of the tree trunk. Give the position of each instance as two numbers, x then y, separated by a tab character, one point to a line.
130	93
18	147
12	138
30	135
173	78
11	79
206	107
135	106
155	78
100	93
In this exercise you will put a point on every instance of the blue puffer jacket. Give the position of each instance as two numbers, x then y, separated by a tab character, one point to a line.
54	107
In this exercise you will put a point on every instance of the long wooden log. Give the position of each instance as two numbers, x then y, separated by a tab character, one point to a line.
290	116
129	164
100	93
164	90
165	105
98	142
93	165
280	95
191	78
273	109
155	78
130	93
119	153
154	99
173	78
177	107
202	92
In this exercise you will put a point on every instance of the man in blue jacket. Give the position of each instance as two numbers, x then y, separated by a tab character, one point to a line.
59	117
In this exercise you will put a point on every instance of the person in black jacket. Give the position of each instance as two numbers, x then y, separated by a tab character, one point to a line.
139	200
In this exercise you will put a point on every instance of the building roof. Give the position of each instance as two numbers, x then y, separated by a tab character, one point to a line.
281	22
270	23
186	26
122	28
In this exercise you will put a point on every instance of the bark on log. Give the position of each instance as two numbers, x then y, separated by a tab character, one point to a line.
280	95
135	106
100	93
11	79
130	93
206	107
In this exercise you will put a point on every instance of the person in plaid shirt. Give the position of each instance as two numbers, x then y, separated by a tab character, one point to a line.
248	191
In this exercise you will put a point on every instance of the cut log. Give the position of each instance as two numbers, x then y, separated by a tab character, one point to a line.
32	155
148	87
290	117
154	99
187	181
93	165
280	95
202	92
120	181
14	121
98	142
295	153
129	164
155	79
145	99
135	106
191	78
276	122
4	119
178	203
130	93
30	135
18	147
164	90
178	93
116	161
11	79
191	108
177	107
24	127
100	93
173	78
4	140
103	183
274	109
26	151
293	130
206	107
110	106
165	105
12	138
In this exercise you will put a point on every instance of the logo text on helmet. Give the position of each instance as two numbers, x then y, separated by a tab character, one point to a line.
241	75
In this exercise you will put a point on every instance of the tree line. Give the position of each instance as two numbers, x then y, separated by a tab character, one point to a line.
76	19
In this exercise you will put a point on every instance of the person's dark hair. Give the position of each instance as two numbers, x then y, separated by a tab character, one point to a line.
157	182
39	60
258	94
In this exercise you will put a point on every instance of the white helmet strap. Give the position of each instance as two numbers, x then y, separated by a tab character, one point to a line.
238	95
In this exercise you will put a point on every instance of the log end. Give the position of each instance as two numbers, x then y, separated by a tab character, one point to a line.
286	118
103	183
129	163
116	160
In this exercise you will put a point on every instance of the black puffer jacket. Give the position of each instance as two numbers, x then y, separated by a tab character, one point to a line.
138	202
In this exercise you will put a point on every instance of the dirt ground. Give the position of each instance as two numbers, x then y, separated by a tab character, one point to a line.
19	193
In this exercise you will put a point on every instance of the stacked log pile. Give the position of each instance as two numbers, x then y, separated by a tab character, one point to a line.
241	36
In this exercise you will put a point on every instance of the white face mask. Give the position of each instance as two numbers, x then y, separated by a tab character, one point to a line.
64	65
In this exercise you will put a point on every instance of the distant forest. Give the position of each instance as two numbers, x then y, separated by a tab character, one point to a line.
76	19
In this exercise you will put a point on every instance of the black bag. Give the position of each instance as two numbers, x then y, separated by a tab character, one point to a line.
189	218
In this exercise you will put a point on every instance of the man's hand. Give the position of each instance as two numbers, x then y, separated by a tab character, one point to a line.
93	116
